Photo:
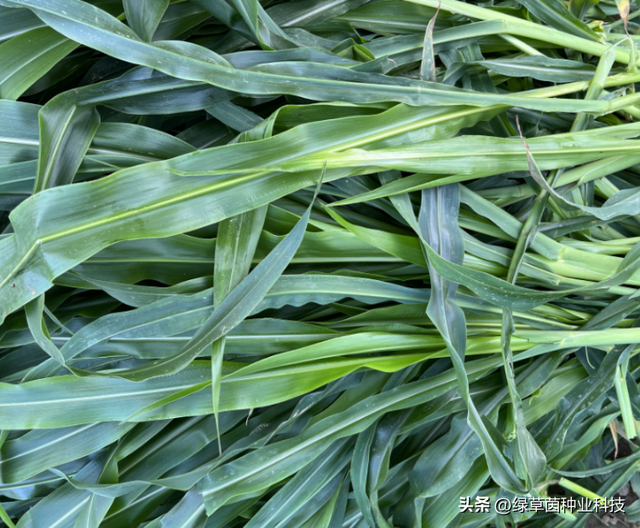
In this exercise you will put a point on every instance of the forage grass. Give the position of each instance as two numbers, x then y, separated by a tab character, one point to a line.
318	264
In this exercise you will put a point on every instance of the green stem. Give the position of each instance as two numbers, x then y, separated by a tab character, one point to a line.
5	517
522	46
523	28
576	488
620	22
528	233
622	392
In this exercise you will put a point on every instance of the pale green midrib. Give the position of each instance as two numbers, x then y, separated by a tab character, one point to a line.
188	260
531	68
302	260
74	352
320	9
329	363
162	441
230	337
108	395
394	23
20	141
152	207
48	444
380	344
359	158
61	519
122	153
565	339
382	155
377	135
32	482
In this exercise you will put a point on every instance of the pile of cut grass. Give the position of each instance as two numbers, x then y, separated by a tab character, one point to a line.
317	263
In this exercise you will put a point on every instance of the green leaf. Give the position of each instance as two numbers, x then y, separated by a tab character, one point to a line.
238	304
188	340
428	66
488	287
28	56
580	7
555	13
442	237
145	15
256	470
35	318
235	247
542	68
300	489
38	451
66	131
583	395
446	460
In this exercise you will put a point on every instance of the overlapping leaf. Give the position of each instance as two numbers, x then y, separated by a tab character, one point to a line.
306	264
